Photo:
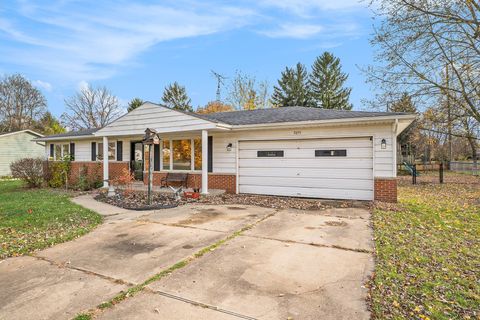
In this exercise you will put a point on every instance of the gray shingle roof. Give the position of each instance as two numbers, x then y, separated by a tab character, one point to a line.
289	114
86	132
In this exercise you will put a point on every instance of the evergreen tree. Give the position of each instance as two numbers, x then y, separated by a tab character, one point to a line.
48	125
292	88
326	83
134	104
175	97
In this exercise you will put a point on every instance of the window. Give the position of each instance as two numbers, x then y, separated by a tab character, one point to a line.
166	154
111	151
270	154
60	151
330	153
197	148
182	154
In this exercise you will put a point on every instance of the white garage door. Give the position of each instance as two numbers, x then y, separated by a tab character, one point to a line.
318	168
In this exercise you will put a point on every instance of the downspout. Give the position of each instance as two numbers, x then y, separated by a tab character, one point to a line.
394	146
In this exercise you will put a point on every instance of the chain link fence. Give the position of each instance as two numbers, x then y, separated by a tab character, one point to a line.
465	167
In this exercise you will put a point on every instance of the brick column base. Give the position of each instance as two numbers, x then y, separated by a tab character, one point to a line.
385	189
225	182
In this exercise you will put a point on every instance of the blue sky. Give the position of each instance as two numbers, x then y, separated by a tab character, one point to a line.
136	48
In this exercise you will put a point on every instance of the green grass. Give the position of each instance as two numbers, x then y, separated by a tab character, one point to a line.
428	253
32	219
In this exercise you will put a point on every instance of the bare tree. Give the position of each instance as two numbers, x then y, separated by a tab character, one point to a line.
429	48
21	104
91	108
246	93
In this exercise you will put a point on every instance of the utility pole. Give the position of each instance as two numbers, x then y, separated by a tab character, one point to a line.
220	78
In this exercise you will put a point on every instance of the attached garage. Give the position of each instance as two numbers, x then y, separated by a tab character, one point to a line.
337	168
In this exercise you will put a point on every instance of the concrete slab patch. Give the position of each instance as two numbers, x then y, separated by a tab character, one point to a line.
269	279
36	289
226	218
317	229
131	251
148	306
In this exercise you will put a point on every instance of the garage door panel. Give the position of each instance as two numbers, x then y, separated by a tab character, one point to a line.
309	153
309	192
332	163
304	182
307	143
299	173
304	172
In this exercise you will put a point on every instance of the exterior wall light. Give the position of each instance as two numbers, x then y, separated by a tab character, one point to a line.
229	147
384	144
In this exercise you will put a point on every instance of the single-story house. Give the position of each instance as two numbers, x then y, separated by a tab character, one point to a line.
17	145
290	151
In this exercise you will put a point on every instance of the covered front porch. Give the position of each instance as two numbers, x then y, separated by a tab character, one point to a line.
187	153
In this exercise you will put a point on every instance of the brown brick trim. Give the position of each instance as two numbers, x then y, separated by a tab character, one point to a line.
386	189
221	181
95	168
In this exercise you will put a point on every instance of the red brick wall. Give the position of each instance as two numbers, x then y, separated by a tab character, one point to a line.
96	168
225	182
386	189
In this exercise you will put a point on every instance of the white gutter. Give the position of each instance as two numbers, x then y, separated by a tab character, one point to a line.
318	122
66	138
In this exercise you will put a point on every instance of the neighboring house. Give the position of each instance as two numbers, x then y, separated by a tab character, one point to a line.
17	145
291	151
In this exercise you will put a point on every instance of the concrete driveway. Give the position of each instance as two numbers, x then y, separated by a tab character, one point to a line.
285	264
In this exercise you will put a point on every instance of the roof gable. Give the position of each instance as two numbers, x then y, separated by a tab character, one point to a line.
160	118
33	133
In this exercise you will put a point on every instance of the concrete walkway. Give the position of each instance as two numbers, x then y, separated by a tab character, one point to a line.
290	264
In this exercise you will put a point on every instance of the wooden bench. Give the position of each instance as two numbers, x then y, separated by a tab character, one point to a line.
176	177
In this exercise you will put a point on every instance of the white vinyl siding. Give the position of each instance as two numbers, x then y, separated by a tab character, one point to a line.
83	148
300	173
16	146
225	161
160	118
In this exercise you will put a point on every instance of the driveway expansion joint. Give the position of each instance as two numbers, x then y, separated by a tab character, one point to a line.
308	243
200	304
86	271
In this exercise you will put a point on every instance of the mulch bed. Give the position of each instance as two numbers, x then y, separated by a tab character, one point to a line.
282	202
138	200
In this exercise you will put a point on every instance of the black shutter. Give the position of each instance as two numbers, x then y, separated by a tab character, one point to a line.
72	151
51	150
119	150
94	151
156	157
210	154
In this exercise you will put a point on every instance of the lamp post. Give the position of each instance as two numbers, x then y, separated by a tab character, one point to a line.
150	138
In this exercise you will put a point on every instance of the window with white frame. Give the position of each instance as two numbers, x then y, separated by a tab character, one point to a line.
111	151
181	154
60	151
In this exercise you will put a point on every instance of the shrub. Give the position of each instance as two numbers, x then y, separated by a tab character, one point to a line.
89	179
58	173
29	170
125	179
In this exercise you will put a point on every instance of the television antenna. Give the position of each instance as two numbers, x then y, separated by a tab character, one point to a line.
220	82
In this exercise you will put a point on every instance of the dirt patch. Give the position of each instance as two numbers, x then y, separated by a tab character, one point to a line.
336	223
281	202
187	246
310	228
235	208
203	216
121	235
132	247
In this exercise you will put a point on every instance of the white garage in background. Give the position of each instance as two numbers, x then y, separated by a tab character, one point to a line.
340	168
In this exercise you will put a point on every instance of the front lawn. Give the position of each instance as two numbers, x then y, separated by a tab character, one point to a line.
33	219
428	251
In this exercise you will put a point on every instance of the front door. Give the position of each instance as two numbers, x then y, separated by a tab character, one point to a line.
136	159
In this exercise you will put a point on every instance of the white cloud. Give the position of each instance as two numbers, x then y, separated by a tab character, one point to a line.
310	7
43	84
82	85
91	40
297	31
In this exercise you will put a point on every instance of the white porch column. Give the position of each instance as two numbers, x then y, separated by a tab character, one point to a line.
105	162
204	161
